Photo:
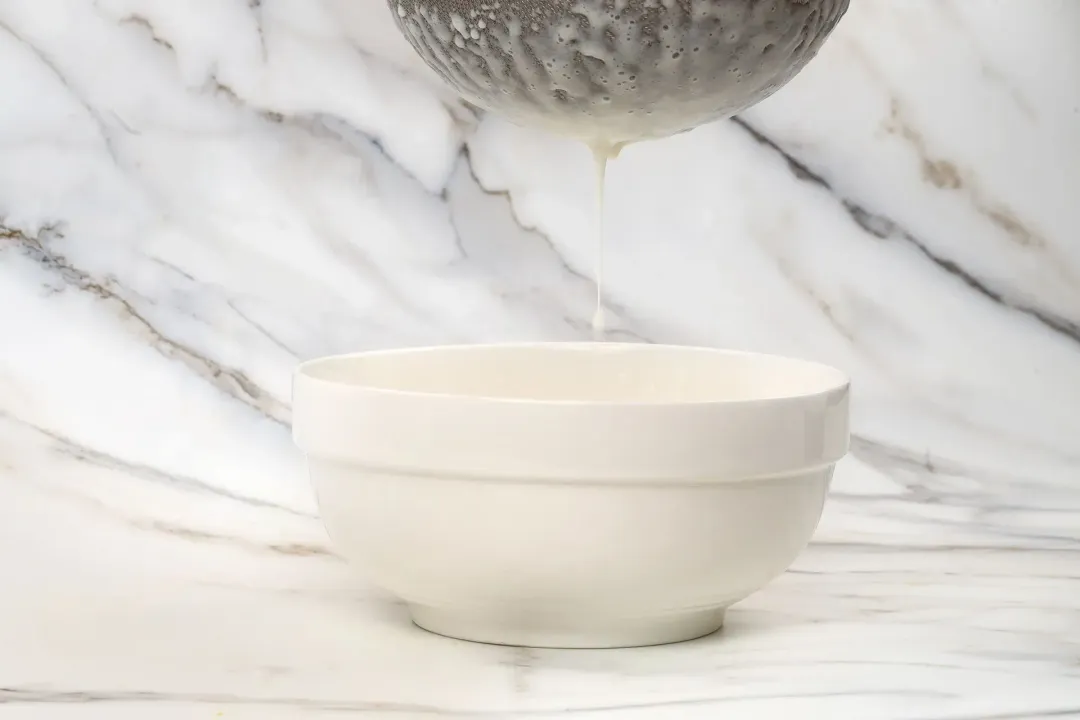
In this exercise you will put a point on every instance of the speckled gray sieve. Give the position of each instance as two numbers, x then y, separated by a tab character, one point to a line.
617	70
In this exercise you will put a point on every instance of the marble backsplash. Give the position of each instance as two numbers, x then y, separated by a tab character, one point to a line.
196	195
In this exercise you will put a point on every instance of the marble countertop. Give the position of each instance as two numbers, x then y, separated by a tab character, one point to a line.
196	195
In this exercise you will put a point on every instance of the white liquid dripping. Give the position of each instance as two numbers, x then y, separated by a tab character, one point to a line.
602	153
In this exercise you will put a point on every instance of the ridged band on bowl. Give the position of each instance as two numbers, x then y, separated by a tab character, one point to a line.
567	440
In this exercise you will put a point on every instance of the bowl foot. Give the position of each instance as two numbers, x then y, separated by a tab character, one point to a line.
568	632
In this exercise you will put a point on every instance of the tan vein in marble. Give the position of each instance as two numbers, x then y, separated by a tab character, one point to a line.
885	228
944	174
766	238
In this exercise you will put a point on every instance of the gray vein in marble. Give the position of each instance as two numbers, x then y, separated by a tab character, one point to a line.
522	663
67	447
505	195
256	13
31	695
370	149
172	268
885	228
924	478
464	114
886	572
375	159
231	381
141	22
34	695
889	545
610	333
103	127
215	86
232	302
496	241
985	507
1072	712
885	456
202	536
990	71
979	616
619	312
277	342
190	534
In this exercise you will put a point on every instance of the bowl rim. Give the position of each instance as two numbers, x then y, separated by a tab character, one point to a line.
473	436
839	381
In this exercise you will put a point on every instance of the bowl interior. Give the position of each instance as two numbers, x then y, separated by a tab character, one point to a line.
581	372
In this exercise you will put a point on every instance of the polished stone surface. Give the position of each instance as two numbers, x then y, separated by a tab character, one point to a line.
195	195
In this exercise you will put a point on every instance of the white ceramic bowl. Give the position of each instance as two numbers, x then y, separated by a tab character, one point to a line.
570	495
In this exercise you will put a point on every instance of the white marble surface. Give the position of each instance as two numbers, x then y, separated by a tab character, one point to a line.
194	195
